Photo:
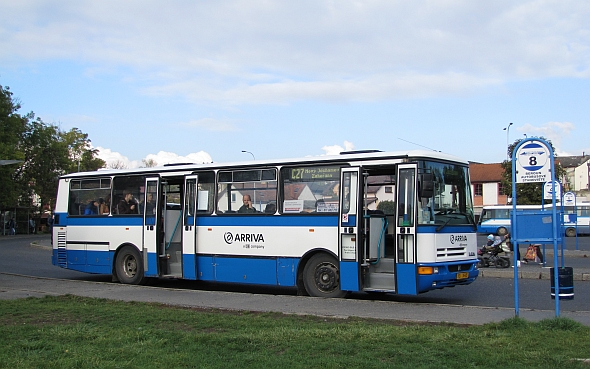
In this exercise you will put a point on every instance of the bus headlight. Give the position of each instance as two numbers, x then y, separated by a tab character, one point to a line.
427	270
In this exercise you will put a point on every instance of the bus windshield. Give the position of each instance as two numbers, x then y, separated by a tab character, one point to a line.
451	202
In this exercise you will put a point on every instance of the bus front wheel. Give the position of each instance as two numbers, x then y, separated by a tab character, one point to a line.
321	277
129	266
502	231
570	232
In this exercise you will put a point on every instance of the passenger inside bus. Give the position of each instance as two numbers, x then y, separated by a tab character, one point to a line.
91	208
107	203
247	207
270	208
103	207
127	205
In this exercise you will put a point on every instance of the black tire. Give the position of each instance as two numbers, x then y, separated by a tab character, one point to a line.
570	232
321	277
129	266
502	263
502	231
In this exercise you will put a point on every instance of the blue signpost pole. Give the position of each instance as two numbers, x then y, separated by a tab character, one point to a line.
576	212
532	156
514	238
556	222
514	232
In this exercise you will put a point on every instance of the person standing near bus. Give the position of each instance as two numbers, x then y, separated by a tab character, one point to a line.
32	229
247	207
127	205
50	225
12	227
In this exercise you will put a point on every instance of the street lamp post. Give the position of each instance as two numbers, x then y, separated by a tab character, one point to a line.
507	129
250	154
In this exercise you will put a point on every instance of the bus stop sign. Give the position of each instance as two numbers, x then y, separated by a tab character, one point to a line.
533	163
548	190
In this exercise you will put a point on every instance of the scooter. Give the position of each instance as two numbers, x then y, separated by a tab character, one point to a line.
494	255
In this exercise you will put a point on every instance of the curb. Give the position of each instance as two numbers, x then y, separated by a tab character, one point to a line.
542	273
36	245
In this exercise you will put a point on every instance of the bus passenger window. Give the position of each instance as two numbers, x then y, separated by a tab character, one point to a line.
247	192
311	189
126	194
87	196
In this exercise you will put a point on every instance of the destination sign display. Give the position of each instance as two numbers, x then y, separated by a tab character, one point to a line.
314	173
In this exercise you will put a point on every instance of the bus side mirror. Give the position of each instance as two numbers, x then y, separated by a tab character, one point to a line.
426	185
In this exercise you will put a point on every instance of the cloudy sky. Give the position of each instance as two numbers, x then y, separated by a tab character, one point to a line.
182	80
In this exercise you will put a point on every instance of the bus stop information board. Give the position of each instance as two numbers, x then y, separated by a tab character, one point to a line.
531	163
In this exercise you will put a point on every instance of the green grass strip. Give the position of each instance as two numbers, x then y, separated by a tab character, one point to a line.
76	332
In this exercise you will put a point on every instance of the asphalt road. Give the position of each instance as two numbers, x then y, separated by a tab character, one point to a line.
494	295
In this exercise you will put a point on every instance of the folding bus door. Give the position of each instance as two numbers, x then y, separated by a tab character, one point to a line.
151	228
405	229
348	228
189	229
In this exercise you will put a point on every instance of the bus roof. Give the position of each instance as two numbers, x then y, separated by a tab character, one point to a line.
367	155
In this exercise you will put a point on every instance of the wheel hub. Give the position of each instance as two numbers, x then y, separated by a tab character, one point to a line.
130	266
326	277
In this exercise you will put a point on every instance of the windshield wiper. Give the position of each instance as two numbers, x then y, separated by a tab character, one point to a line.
438	229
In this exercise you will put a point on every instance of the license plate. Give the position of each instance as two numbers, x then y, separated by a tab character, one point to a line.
462	275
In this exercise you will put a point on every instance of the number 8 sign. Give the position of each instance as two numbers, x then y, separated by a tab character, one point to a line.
533	163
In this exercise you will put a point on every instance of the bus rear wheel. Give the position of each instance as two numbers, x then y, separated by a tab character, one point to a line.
129	266
570	232
321	277
502	231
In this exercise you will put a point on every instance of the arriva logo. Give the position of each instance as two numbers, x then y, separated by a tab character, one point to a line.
229	238
458	238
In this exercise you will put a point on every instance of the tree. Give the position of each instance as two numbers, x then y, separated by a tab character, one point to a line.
45	159
119	164
81	154
387	206
45	151
12	129
526	193
149	163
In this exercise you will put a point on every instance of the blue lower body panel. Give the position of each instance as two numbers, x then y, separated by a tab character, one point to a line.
97	262
406	279
268	271
349	276
446	277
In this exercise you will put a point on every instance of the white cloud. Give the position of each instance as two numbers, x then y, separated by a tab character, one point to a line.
556	132
337	149
116	159
275	52
113	158
164	157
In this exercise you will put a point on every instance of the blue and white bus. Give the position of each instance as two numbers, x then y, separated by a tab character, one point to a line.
304	223
496	218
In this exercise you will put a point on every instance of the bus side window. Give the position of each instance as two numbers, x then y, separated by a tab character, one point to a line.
87	194
246	192
123	185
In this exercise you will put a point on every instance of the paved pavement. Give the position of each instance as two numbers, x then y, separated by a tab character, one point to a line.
19	286
581	265
578	260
